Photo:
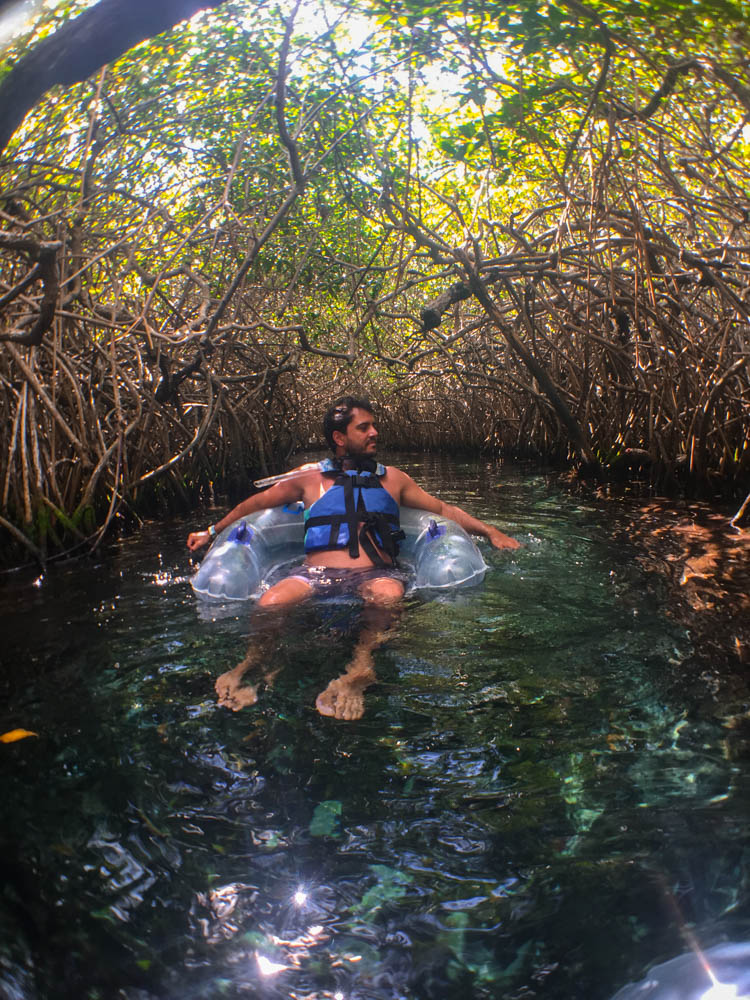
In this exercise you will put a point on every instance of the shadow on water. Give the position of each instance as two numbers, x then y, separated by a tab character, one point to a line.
530	806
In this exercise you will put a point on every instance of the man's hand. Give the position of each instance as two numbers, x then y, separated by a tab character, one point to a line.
500	541
406	492
197	539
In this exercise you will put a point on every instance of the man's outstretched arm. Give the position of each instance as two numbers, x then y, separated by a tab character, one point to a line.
275	496
412	495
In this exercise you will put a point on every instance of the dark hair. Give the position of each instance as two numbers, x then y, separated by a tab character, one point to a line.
339	414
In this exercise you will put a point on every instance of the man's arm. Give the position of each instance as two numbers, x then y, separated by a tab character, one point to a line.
275	496
412	495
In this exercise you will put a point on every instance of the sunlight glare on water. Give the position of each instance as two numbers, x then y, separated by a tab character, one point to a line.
534	778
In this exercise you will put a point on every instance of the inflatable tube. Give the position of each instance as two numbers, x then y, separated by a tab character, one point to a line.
437	553
718	973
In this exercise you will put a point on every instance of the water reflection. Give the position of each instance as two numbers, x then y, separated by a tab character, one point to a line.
533	767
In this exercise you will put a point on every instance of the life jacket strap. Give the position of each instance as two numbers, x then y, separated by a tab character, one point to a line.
364	526
377	522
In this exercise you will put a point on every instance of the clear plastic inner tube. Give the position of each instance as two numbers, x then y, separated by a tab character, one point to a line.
437	553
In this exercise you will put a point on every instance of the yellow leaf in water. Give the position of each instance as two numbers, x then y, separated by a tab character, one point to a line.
13	735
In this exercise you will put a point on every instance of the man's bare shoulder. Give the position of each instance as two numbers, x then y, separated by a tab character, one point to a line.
391	470
299	484
396	481
313	485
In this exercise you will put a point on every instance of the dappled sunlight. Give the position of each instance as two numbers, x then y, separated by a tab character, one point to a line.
706	565
510	229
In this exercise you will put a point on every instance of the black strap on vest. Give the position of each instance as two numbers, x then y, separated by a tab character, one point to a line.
355	515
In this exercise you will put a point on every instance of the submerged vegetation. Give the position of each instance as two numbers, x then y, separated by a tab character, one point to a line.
521	227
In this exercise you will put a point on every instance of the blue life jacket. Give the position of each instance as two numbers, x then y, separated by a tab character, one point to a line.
356	510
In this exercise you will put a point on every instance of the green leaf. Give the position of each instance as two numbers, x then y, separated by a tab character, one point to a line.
391	885
325	819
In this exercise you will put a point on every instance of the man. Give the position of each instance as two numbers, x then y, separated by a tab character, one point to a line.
351	535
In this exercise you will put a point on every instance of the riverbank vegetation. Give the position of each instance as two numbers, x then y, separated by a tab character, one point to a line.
522	228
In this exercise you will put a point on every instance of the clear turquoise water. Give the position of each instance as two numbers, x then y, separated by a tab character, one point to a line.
536	801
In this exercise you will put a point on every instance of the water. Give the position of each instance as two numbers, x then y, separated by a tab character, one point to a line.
533	805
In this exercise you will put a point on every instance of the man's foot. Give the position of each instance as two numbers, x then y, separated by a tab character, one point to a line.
232	694
344	696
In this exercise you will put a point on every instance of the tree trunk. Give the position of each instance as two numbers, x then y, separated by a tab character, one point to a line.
82	46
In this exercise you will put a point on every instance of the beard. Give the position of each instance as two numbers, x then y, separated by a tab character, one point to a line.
355	451
361	458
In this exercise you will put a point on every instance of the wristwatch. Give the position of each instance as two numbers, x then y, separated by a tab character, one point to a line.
211	531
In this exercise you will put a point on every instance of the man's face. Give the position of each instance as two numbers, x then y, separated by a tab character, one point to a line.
360	436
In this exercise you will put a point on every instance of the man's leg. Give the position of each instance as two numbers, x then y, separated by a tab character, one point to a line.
344	696
283	595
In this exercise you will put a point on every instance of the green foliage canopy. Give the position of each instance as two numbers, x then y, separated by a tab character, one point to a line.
255	203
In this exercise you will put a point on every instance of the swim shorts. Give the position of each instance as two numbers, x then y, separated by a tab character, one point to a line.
325	580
